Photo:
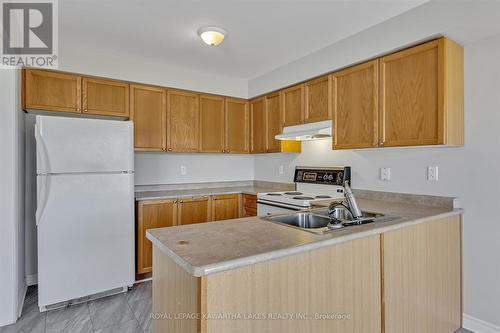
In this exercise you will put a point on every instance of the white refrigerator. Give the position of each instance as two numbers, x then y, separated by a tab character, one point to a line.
85	207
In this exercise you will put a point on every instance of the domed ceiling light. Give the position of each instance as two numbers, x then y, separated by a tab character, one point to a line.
212	36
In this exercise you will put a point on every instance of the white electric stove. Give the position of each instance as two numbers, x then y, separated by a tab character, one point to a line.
312	185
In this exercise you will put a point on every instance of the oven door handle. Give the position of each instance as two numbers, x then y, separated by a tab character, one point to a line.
267	203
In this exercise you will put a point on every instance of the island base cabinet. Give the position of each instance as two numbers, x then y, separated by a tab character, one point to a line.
334	289
422	277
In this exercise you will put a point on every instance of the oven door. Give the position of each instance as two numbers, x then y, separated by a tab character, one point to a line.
266	208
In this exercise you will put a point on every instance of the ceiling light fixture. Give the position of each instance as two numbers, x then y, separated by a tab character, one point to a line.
212	35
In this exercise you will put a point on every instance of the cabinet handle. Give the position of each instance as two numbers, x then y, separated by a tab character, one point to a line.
181	201
228	151
169	149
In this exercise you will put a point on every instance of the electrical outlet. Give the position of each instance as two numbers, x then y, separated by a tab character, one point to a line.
282	170
432	173
385	174
183	170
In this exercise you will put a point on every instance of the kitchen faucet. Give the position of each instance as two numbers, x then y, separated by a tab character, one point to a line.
352	205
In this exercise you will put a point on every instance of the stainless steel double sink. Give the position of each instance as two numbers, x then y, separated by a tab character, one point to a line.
318	221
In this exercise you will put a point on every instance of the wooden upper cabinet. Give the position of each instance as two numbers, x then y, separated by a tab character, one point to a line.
183	118
212	124
272	104
193	210
292	105
318	94
148	111
237	126
105	97
421	98
225	207
355	106
51	91
258	122
152	214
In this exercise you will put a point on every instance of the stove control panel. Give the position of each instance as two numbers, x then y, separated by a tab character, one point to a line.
327	176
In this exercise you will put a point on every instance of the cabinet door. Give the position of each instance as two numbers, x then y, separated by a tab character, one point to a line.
51	91
292	104
318	94
237	126
258	125
152	214
355	106
411	97
148	111
105	97
183	115
225	207
249	205
273	122
212	124
193	210
422	277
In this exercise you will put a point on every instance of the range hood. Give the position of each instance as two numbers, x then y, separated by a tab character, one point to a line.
305	132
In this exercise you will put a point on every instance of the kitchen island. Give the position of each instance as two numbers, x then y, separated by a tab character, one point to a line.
252	275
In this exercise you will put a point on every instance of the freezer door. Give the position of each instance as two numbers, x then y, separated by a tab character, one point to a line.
66	145
85	235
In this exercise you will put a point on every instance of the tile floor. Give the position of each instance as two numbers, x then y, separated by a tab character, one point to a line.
124	313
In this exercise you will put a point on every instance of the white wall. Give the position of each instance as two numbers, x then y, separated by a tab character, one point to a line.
11	198
470	172
464	21
88	59
153	169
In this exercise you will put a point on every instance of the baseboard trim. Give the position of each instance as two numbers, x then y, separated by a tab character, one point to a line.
479	326
31	280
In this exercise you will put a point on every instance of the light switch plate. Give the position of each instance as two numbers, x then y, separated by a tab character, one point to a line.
385	174
282	170
432	173
183	170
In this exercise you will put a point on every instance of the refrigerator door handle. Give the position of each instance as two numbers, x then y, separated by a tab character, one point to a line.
42	151
43	183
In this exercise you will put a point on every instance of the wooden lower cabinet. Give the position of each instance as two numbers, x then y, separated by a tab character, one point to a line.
152	214
225	207
249	205
422	277
309	283
193	210
406	280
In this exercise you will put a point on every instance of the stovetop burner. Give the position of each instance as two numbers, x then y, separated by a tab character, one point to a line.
293	193
322	196
274	194
303	198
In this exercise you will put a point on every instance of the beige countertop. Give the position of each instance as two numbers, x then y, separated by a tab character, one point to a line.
208	248
169	194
